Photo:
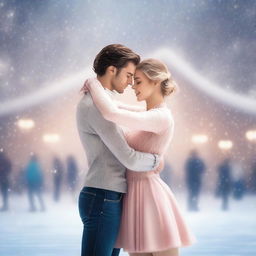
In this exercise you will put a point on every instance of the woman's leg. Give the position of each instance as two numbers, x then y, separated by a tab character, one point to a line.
140	254
170	252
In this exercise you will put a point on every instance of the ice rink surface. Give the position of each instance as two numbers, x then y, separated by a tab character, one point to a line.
57	232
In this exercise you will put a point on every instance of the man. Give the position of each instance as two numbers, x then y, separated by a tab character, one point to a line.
108	155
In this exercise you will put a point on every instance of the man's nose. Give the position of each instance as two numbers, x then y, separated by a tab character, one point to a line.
130	81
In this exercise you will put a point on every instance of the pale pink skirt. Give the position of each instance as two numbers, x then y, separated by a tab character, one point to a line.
151	219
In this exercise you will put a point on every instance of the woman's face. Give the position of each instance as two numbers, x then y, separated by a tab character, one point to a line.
143	86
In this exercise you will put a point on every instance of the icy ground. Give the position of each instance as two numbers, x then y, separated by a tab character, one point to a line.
57	232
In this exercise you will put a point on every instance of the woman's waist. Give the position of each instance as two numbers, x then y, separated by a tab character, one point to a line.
140	175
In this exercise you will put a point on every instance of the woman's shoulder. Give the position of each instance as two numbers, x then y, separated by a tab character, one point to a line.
165	116
164	110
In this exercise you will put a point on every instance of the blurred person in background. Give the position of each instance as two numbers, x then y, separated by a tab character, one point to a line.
19	181
72	174
34	181
238	178
194	167
224	182
58	170
252	178
5	170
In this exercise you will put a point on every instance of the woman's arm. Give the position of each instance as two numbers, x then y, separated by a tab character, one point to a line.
134	108
154	120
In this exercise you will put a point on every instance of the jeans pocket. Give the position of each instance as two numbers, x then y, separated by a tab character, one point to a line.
113	206
86	201
114	200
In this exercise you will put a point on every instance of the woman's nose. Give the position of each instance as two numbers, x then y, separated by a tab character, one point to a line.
133	86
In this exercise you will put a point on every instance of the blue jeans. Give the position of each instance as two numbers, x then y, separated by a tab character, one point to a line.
100	211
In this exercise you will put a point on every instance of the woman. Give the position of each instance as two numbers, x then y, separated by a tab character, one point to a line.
152	223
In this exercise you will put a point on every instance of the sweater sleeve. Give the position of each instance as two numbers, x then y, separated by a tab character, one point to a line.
122	105
154	120
114	139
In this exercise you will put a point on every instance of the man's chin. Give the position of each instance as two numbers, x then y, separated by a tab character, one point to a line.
121	91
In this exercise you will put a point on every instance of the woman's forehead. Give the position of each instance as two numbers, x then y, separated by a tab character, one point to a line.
138	74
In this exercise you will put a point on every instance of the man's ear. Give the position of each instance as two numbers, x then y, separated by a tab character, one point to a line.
112	70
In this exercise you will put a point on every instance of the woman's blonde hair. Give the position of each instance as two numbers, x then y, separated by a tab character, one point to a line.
156	70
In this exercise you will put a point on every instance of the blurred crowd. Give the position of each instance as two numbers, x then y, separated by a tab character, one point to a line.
31	179
230	180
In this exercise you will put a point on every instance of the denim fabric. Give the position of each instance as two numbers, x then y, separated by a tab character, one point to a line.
100	211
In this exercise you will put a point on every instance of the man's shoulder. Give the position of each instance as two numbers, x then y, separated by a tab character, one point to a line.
87	107
86	101
86	104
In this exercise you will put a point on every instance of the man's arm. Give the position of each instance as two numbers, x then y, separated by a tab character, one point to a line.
114	139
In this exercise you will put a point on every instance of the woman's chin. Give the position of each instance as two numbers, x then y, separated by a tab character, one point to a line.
139	99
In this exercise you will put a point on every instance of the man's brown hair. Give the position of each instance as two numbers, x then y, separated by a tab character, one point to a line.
116	55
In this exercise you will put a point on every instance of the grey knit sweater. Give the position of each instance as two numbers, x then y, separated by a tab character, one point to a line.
107	151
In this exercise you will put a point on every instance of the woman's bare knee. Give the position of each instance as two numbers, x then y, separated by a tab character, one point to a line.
140	254
170	252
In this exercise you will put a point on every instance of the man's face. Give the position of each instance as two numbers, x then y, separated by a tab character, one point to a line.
123	78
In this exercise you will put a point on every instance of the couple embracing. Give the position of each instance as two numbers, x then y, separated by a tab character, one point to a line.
124	203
